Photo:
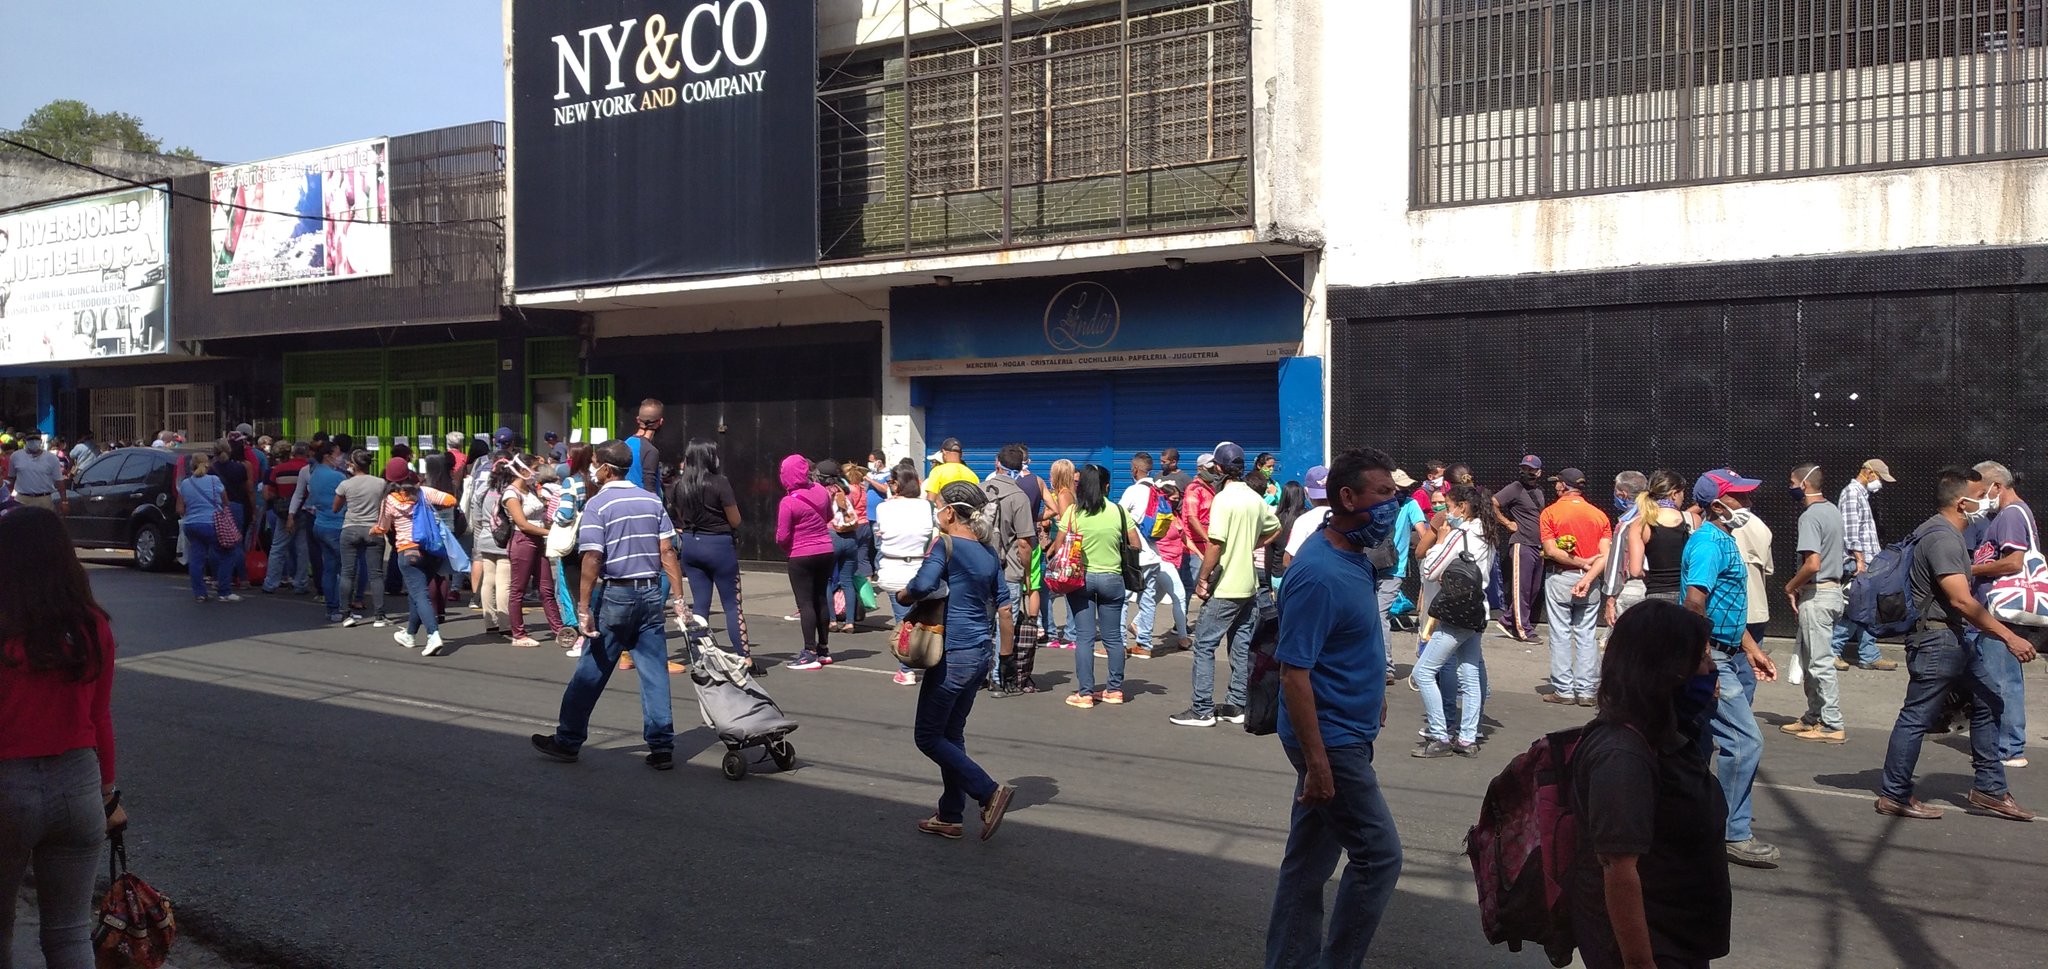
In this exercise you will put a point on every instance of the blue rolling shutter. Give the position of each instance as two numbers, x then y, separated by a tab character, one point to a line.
1105	417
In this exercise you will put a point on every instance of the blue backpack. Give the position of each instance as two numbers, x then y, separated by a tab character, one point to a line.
1881	599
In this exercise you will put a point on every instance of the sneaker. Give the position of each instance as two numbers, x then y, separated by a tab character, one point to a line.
1587	701
331	617
824	658
1463	749
380	622
1191	717
575	650
661	760
404	639
1140	652
950	830
1561	699
805	660
1229	713
552	750
231	597
1081	701
675	668
1799	726
905	678
433	645
526	642
992	812
2016	762
1753	854
1431	749
1823	735
1413	685
1110	696
793	617
202	598
1101	652
352	621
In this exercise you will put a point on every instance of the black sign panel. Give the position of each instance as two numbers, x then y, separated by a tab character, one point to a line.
662	138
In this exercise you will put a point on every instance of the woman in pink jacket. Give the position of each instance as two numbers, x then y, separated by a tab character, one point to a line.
803	527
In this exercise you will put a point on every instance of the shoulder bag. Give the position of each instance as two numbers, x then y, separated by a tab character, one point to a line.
1066	566
227	532
562	537
921	636
134	924
1133	573
2023	596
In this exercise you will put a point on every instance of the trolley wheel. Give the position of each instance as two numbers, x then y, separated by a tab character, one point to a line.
783	754
734	766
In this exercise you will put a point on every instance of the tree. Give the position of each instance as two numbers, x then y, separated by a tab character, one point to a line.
72	129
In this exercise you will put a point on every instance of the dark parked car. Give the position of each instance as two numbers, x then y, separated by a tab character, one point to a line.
124	499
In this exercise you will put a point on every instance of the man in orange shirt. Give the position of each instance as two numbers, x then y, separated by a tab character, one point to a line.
1576	536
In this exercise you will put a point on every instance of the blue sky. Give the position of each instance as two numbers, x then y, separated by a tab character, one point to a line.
245	79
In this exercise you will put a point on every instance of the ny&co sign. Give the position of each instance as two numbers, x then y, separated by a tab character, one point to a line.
656	63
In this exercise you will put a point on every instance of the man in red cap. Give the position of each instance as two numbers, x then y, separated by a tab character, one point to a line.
1716	585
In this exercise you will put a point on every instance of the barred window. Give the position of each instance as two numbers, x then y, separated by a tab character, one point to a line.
1531	98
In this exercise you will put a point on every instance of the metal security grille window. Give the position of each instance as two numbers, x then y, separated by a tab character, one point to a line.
1537	98
1058	125
138	413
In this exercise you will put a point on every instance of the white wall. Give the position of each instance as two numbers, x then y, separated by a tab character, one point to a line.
1374	238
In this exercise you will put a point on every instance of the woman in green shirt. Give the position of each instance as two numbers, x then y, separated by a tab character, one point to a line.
1104	530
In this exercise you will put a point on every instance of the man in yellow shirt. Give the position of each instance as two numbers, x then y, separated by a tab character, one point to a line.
1239	522
946	469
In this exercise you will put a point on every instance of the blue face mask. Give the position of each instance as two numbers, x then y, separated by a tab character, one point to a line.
1695	700
1378	524
1623	502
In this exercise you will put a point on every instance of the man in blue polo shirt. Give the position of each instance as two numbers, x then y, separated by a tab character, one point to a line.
1716	586
1332	652
624	540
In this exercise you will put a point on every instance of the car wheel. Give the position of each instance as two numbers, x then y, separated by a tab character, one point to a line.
155	549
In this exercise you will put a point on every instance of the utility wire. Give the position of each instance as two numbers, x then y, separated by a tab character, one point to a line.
167	190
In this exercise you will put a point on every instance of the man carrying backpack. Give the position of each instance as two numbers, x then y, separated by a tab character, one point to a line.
1152	513
1716	585
1939	656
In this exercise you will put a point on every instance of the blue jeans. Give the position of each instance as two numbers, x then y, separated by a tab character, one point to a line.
1574	650
204	557
1098	610
713	560
1738	744
413	568
845	569
1355	823
1161	580
363	554
327	551
50	821
2004	674
1937	662
288	561
1451	646
628	617
943	701
1232	619
1866	644
1060	633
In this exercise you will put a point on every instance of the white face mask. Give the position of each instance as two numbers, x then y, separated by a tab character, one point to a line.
1876	485
1982	507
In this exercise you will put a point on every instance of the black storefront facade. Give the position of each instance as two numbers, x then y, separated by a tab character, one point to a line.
1924	359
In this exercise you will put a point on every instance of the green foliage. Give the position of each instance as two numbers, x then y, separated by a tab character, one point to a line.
71	129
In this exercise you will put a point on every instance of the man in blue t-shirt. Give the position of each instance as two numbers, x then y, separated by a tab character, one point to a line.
1716	585
1332	653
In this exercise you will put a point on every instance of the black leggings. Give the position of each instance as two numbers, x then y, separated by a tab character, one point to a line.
810	578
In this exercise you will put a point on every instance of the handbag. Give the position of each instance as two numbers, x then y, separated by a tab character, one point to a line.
1460	599
1066	568
227	533
562	538
921	636
1133	573
2023	596
134	925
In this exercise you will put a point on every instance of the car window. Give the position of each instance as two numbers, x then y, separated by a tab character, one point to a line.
103	471
139	468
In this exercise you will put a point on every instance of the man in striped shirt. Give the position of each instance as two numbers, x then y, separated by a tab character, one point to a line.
624	540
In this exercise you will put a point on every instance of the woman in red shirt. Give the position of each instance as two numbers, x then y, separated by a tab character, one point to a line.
56	734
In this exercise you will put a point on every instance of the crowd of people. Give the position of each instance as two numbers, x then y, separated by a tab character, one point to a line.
1326	569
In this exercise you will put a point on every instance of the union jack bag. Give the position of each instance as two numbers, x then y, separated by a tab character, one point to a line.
2023	596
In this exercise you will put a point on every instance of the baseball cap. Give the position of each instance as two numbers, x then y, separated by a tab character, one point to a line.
245	429
1317	482
551	436
1402	480
503	437
1573	478
1718	482
1229	455
1207	459
950	444
1532	461
1883	470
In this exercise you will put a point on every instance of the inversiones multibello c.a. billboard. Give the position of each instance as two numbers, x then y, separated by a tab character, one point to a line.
655	139
84	279
313	217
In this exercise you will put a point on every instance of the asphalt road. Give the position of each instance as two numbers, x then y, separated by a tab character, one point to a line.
322	797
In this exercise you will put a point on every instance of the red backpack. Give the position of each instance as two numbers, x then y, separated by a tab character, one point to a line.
1523	847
